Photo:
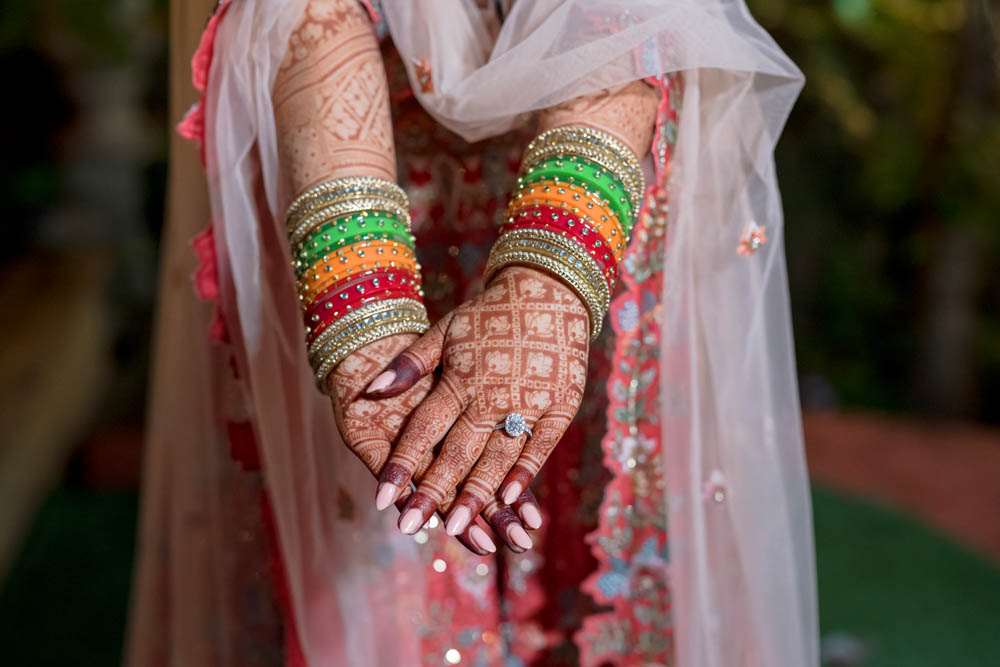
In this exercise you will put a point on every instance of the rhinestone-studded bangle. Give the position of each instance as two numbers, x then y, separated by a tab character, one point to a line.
555	254
594	145
336	191
357	275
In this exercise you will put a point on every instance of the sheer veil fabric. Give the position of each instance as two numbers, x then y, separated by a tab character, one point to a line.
741	570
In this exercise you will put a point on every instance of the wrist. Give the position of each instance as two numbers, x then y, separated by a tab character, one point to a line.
572	215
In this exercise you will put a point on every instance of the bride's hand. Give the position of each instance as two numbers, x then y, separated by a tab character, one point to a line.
520	347
371	427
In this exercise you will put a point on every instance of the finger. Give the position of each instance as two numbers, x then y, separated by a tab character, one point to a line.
459	452
428	423
544	438
528	509
416	361
499	455
506	525
400	495
476	536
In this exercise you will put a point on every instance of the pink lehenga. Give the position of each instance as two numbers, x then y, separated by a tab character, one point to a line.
677	521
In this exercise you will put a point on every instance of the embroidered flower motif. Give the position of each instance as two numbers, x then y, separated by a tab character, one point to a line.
635	450
424	78
754	236
621	579
715	487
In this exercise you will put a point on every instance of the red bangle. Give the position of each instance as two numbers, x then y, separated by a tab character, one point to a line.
337	301
563	222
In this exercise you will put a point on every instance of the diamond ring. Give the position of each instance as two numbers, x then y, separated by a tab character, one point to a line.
513	425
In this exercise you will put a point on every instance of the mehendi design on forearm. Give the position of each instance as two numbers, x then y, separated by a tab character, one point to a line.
331	98
627	113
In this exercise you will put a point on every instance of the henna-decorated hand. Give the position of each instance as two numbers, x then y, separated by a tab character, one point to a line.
371	427
521	347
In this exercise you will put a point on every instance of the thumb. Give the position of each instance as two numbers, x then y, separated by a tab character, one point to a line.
416	361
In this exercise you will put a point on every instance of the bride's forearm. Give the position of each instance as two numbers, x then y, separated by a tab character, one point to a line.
628	113
331	99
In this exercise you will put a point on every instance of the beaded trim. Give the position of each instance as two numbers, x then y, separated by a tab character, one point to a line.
331	192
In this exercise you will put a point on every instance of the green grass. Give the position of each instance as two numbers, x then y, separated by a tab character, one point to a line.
65	599
915	598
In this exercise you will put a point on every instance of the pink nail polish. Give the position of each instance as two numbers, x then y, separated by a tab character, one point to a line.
386	495
512	492
531	516
481	539
410	522
458	520
519	536
382	381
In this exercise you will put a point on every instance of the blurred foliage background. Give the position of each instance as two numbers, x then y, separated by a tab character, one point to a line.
890	170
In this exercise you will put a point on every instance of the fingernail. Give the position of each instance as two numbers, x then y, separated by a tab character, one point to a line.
410	522
512	492
382	381
458	520
519	536
481	539
531	515
386	495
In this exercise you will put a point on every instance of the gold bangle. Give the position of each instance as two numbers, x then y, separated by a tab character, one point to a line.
554	267
560	256
595	145
570	251
336	329
345	207
588	136
361	336
331	192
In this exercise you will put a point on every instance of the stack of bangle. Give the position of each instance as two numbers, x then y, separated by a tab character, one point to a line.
357	276
572	214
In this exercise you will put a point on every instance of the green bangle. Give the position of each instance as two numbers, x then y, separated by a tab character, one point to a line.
350	229
310	257
580	171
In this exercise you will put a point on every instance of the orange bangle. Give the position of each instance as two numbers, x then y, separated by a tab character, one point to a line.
579	201
353	259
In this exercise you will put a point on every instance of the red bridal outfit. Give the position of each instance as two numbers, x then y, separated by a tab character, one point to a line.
677	521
